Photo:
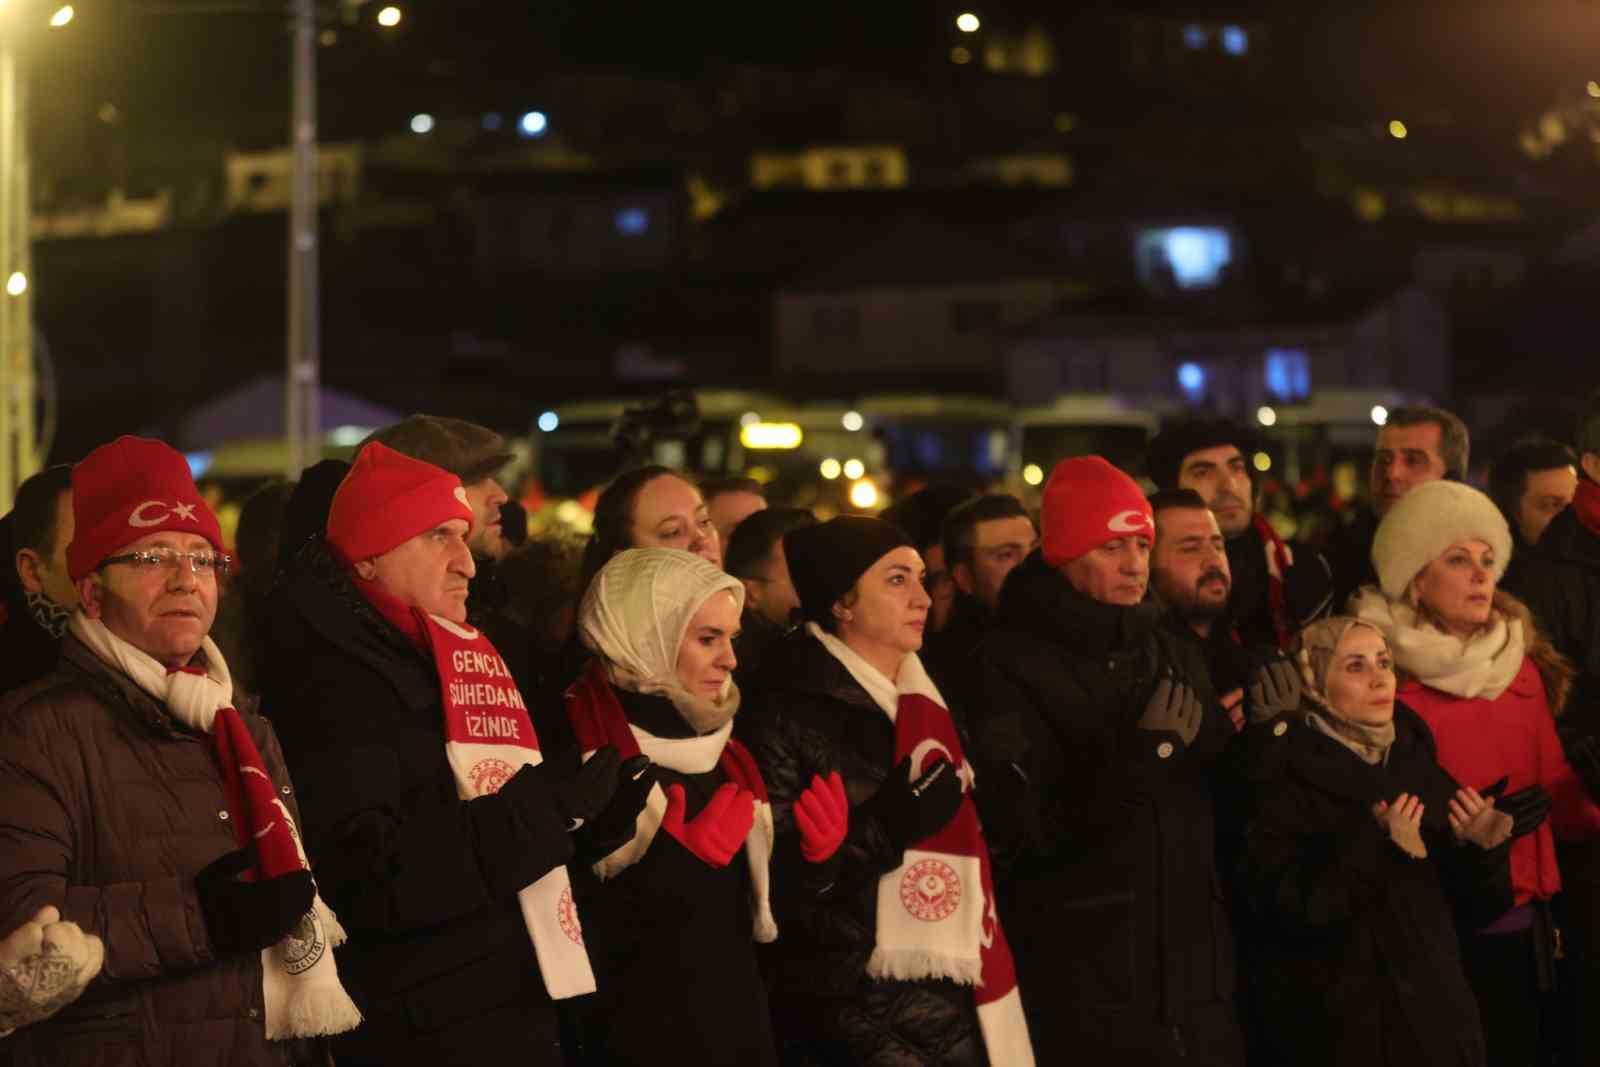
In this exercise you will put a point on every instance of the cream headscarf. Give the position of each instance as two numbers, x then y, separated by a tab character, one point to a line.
635	615
1318	643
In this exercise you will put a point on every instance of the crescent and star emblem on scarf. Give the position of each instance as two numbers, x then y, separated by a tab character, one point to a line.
964	773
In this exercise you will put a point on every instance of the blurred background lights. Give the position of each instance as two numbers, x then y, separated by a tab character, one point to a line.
854	468
17	284
749	418
1263	462
1033	474
549	421
864	494
831	468
533	124
967	22
422	123
64	14
852	421
1380	414
389	16
1397	129
1266	416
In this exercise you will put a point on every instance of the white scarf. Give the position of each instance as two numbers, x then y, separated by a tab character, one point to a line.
1483	666
308	1001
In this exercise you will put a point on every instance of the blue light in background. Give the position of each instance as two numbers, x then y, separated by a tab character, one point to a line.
1197	254
1192	381
1195	37
1235	41
633	221
1288	374
199	463
533	124
492	121
549	421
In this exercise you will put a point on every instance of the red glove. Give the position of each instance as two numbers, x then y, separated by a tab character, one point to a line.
718	832
823	815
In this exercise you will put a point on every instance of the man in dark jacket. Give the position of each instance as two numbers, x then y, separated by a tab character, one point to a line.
984	540
1415	445
36	594
1189	573
425	876
1560	581
754	555
1533	482
1093	761
1278	587
116	809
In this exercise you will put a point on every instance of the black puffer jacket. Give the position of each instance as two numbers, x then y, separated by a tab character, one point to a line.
1103	834
1355	956
1560	582
1307	588
1349	553
439	959
813	719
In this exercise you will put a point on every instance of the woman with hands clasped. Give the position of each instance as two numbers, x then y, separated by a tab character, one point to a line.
893	952
674	906
1476	668
1360	855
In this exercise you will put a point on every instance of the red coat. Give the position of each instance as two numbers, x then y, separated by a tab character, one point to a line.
1513	735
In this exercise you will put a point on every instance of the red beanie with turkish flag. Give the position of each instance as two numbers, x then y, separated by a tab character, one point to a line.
388	498
127	490
1088	502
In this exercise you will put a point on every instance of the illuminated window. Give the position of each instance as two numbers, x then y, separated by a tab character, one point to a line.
633	221
1190	257
1288	375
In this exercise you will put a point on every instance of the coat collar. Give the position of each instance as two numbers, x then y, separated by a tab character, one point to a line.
1566	541
1038	599
119	691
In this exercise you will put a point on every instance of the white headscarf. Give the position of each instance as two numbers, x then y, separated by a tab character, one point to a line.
635	615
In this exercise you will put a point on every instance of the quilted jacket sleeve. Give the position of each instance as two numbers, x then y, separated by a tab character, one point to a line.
149	928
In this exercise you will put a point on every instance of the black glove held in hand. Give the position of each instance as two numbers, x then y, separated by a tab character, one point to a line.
249	916
616	825
911	811
574	800
1528	807
1275	688
1174	709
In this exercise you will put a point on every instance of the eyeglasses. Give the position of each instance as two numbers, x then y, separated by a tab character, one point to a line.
153	559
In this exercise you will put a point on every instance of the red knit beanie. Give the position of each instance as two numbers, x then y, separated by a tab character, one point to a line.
129	489
1088	502
387	499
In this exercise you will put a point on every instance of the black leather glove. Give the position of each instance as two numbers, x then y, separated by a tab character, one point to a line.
1173	708
249	916
1528	807
616	825
575	800
910	811
1584	755
1275	688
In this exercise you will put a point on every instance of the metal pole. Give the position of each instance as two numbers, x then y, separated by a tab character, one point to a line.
302	420
27	382
10	370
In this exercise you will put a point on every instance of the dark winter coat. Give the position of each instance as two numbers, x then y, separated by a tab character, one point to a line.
1307	588
671	942
1354	951
951	655
1102	833
439	959
815	719
27	651
1349	553
108	809
1560	582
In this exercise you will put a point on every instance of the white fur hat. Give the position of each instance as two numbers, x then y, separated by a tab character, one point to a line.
1430	519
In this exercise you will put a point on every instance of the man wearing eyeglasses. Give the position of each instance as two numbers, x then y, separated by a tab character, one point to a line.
133	795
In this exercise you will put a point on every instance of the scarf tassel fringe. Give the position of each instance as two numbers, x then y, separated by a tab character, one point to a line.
907	965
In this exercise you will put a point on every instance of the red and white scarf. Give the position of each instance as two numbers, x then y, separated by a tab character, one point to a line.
598	720
299	979
488	738
1586	505
1279	559
937	912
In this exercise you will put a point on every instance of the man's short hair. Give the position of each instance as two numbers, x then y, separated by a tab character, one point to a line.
1162	499
1508	478
1455	443
710	490
959	532
752	540
33	516
1589	427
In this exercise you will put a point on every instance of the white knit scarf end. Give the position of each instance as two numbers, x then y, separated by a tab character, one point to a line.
311	1012
915	965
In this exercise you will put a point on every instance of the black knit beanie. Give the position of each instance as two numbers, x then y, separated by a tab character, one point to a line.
1164	458
826	559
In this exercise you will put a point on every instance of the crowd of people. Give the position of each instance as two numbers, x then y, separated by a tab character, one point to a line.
1132	780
